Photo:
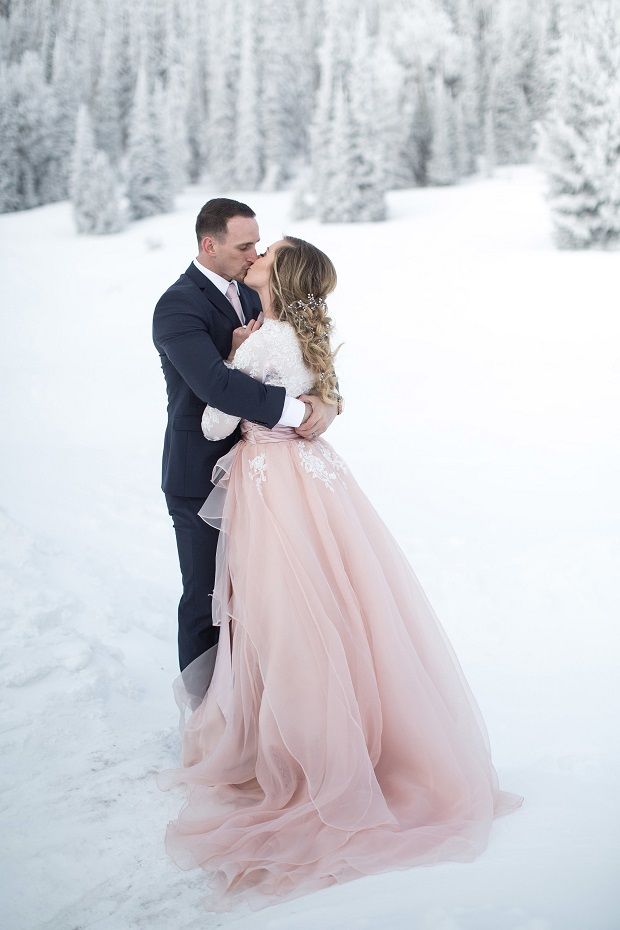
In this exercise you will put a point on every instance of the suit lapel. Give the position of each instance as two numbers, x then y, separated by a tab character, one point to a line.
213	295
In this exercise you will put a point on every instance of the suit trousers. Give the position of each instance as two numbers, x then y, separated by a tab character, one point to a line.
196	545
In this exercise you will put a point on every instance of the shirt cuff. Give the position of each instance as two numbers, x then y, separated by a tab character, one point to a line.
293	412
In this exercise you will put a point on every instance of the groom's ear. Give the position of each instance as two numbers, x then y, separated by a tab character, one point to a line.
207	245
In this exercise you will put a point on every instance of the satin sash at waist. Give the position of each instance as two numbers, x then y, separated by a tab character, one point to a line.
254	433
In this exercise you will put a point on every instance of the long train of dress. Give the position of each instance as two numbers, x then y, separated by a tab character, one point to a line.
338	736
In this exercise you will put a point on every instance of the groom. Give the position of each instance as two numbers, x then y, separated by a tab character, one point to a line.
205	315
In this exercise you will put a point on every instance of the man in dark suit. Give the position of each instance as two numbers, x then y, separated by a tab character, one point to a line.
197	322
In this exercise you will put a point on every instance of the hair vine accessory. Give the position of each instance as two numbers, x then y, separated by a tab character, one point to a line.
304	322
311	303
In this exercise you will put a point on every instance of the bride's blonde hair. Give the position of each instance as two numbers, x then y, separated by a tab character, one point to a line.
301	278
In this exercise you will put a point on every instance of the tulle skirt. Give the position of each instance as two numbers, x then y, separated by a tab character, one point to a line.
338	736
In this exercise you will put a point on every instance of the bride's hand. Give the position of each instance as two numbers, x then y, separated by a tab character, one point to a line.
240	334
320	418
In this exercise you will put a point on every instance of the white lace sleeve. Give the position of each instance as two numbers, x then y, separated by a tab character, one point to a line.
272	355
215	423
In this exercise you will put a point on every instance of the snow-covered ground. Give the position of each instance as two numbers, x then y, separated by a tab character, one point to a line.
480	369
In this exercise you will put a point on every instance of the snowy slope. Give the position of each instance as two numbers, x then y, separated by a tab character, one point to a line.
481	378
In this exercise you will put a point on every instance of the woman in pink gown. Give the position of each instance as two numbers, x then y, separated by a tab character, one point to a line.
338	736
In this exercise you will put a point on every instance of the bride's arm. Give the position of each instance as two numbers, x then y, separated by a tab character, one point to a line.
216	424
269	357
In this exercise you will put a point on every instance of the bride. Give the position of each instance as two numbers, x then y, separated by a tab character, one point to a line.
338	736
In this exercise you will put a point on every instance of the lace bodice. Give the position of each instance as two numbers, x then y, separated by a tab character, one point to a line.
272	355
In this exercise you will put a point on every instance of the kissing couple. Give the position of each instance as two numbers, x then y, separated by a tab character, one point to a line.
327	731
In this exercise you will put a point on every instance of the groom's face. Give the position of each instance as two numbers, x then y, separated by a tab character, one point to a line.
235	252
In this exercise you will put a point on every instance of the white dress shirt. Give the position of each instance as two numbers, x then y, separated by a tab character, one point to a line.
294	409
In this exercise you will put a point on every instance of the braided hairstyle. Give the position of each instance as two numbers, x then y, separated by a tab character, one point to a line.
301	278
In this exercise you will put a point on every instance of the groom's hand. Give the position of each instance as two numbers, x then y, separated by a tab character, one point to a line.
240	334
321	416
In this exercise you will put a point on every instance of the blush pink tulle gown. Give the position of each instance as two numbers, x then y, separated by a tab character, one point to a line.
338	736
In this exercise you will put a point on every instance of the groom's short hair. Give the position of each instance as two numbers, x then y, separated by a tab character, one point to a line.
213	217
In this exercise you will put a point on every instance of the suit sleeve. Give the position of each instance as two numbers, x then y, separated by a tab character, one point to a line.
180	332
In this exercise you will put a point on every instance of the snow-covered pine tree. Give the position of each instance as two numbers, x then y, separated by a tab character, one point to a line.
462	153
464	88
517	57
248	152
303	201
107	115
174	123
148	40
334	53
338	201
29	25
4	44
18	37
126	73
311	24
149	188
107	215
417	145
353	186
581	138
165	141
488	156
194	31
418	33
311	14
31	124
42	27
172	50
487	46
534	49
442	164
609	227
175	93
94	186
66	88
82	28
10	147
368	174
283	115
82	161
512	118
222	71
322	117
388	127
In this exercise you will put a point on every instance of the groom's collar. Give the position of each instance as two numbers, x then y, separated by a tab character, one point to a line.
217	297
222	284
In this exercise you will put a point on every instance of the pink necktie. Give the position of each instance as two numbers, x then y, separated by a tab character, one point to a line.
233	296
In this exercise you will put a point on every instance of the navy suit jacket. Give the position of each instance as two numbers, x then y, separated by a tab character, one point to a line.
192	331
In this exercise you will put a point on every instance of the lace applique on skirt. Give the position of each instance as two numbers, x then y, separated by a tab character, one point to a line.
258	470
321	462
